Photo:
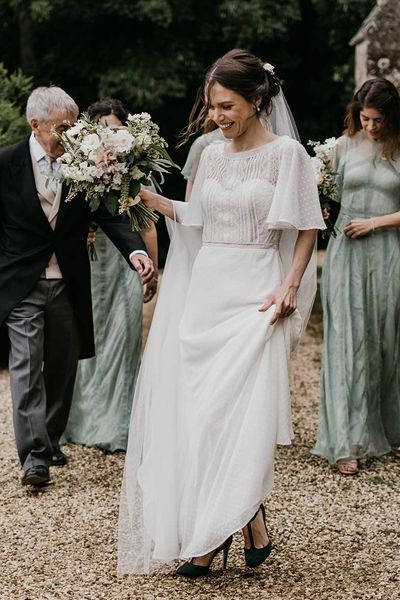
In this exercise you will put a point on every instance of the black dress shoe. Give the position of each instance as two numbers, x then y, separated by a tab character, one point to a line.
38	475
58	459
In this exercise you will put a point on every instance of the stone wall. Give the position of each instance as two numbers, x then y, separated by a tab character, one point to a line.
377	44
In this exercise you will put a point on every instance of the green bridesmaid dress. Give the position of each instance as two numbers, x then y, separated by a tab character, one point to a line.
104	385
360	383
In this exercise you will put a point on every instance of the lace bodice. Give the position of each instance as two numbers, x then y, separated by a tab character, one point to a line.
246	198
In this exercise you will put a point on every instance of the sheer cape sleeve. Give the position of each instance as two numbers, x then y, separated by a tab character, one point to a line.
295	207
295	203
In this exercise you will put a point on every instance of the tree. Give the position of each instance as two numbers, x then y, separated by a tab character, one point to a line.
14	91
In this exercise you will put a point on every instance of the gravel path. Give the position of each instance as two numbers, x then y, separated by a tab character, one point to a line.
334	538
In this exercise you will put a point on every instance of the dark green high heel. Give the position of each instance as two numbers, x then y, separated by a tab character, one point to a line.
188	569
255	556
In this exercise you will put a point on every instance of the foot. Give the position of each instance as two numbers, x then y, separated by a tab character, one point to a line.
260	535
347	466
200	565
58	458
203	561
38	475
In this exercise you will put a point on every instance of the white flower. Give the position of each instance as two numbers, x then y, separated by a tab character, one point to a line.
269	68
383	63
90	142
144	116
65	158
318	168
144	140
117	180
75	129
330	142
120	140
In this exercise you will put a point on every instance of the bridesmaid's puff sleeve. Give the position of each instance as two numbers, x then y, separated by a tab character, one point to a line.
295	203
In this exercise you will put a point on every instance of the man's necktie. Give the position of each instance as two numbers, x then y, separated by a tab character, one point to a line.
49	168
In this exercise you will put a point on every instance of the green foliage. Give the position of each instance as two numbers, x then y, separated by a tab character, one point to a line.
14	90
153	53
260	20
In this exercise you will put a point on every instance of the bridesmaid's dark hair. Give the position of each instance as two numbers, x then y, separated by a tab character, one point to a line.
108	106
380	94
239	71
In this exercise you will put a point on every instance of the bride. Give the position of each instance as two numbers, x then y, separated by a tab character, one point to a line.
212	398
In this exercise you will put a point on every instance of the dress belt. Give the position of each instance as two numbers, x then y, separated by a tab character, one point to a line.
266	246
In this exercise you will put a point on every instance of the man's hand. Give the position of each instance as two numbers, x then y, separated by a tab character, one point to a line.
143	265
151	289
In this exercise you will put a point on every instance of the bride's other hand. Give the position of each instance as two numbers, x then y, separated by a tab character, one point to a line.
325	214
285	301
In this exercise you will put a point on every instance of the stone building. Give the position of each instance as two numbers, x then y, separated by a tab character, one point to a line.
377	44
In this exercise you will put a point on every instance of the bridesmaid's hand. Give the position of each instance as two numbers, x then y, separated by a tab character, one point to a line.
359	227
285	300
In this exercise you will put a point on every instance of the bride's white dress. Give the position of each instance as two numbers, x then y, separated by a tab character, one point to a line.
212	398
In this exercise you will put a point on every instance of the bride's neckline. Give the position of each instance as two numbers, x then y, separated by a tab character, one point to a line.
251	150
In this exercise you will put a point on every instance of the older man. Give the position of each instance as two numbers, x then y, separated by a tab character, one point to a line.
45	294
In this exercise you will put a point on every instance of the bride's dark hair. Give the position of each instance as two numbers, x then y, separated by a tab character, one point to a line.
381	95
239	71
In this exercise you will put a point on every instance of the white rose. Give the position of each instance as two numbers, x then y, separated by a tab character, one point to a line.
75	129
120	140
90	142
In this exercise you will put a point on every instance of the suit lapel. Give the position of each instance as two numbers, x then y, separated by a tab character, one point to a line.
24	180
62	195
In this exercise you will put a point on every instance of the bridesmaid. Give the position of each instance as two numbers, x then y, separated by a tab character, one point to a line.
360	385
105	384
211	135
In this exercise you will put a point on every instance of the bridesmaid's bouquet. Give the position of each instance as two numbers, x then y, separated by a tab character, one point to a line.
109	164
325	176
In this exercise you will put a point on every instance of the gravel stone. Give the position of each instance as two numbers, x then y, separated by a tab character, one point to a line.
335	538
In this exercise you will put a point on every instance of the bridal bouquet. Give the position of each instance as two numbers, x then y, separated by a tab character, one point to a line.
109	164
326	179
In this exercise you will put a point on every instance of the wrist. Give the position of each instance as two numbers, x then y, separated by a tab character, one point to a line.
293	284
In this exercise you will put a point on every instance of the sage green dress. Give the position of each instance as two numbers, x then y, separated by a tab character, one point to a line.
360	383
104	385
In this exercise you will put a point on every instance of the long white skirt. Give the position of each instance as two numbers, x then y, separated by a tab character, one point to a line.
212	402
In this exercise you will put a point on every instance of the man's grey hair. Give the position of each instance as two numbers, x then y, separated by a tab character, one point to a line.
44	100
